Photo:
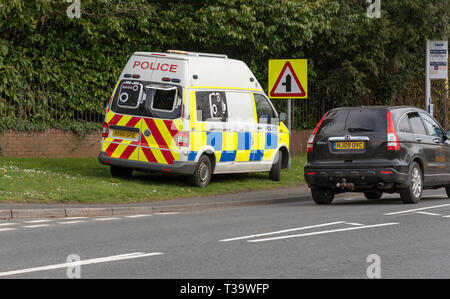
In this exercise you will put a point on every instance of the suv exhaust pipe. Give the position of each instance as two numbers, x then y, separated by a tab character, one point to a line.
384	186
345	185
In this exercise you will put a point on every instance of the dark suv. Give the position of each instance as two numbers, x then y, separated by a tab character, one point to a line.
375	150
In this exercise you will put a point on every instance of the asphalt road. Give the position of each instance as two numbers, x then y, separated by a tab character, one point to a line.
288	240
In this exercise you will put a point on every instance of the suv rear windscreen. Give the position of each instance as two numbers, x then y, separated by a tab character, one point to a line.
343	121
148	99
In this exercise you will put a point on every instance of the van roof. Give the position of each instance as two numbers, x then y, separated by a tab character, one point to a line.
208	70
179	54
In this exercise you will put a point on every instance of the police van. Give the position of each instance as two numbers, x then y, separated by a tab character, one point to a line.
195	114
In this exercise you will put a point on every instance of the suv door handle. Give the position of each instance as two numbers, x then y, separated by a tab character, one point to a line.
418	139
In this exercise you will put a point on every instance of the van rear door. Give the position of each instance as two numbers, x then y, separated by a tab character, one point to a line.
124	130
146	111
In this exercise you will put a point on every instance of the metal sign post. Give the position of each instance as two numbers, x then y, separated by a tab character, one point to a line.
436	67
288	79
427	78
289	121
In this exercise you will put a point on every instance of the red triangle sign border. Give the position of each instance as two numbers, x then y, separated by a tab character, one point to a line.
302	91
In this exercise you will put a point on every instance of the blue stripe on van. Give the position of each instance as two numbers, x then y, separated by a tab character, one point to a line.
244	140
256	155
192	156
271	140
228	156
214	139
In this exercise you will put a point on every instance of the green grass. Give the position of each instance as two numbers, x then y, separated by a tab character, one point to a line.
87	181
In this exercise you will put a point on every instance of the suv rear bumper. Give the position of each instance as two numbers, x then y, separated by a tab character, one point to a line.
367	178
178	167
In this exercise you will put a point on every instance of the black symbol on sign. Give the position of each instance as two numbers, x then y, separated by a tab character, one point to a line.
287	83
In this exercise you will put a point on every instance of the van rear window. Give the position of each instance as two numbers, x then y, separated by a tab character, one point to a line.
148	99
354	121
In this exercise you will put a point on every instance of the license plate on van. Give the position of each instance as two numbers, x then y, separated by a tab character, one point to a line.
349	145
124	134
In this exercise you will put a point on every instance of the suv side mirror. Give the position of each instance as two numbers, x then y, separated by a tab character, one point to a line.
283	117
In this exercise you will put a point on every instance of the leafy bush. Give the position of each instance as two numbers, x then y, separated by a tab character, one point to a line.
72	65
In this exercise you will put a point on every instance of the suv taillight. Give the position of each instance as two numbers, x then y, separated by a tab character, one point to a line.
105	131
183	138
393	144
313	135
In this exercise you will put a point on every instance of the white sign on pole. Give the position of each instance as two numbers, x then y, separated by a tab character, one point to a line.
438	60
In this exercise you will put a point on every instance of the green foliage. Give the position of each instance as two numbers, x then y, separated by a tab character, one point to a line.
73	64
365	61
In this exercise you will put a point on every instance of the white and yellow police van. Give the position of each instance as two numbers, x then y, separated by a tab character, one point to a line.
189	113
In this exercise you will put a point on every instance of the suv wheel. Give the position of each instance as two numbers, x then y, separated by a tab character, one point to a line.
322	196
275	171
413	193
202	173
447	189
120	172
373	194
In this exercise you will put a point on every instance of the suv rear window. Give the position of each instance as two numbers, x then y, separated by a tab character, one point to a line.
353	121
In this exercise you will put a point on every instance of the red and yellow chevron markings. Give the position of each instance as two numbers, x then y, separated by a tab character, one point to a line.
120	148
160	146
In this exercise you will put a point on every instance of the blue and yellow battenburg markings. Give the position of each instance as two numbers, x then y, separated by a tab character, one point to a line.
236	146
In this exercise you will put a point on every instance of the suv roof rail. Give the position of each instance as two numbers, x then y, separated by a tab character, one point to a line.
197	54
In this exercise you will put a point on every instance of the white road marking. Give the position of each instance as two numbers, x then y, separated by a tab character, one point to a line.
282	231
105	219
446	216
35	226
6	229
82	262
73	218
323	232
7	224
354	223
137	216
415	210
37	221
428	213
72	222
167	213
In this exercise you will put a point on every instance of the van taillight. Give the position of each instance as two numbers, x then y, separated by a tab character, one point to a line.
183	138
393	144
105	131
313	135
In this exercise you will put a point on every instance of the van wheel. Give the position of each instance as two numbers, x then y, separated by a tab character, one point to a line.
275	171
322	196
120	172
373	194
202	173
413	193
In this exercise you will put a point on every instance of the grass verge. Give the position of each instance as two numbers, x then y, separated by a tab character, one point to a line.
87	181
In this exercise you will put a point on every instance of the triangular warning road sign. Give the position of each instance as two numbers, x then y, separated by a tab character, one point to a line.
287	84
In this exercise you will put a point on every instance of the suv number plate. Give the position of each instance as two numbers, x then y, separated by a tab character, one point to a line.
353	145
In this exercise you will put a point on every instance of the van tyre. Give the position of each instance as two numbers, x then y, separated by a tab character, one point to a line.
373	195
275	171
413	193
120	172
202	173
322	196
